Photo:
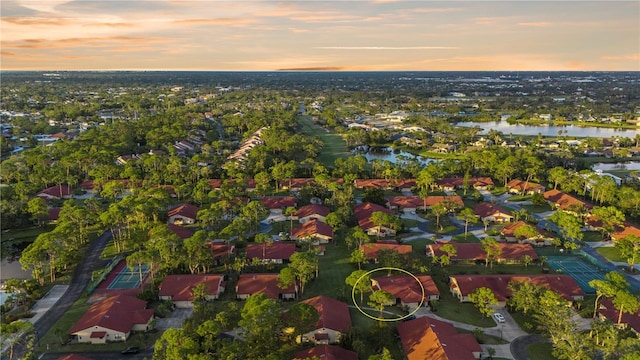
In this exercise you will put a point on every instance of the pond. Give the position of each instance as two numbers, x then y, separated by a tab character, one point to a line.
630	165
11	268
550	130
391	155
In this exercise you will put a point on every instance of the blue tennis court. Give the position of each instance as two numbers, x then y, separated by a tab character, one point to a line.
577	268
129	279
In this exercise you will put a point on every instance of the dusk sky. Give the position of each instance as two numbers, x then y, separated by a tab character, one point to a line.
314	35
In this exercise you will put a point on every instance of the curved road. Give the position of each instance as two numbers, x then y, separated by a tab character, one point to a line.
79	282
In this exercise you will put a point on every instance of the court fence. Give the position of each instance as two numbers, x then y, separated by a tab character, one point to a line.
103	274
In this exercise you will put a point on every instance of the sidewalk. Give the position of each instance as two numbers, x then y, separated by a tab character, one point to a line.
43	305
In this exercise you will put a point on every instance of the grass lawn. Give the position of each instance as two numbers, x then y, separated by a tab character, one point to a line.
15	240
537	209
334	145
419	245
470	238
109	251
540	351
410	223
484	338
497	191
611	253
592	236
445	227
515	198
334	268
51	341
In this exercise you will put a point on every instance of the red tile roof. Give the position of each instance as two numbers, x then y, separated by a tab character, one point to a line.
251	284
311	210
217	183
564	285
181	231
363	214
97	334
118	313
417	201
333	314
485	209
185	210
275	251
311	228
220	249
56	191
54	213
425	338
564	201
629	229
517	184
458	182
371	250
298	183
87	185
180	287
406	288
609	311
278	202
326	352
384	183
473	251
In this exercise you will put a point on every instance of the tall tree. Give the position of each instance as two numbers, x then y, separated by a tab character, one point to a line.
437	211
629	247
492	250
360	281
625	302
379	299
610	217
613	282
483	299
261	320
468	216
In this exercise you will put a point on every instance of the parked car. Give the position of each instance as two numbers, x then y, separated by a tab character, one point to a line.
499	318
130	350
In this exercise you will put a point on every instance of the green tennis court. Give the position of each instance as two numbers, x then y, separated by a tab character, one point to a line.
129	279
577	268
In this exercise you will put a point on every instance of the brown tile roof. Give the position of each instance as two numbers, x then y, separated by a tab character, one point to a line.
473	251
609	311
311	228
278	202
87	185
458	182
333	314
179	287
406	288
509	229
54	213
564	285
181	231
563	200
371	250
384	183
56	191
251	284
118	313
184	210
326	352
519	185
363	214
219	249
297	183
417	201
312	209
629	229
217	183
485	209
275	251
425	338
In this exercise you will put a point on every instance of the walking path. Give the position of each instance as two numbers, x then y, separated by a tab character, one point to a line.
49	300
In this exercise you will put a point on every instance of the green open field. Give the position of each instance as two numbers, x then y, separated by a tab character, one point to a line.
334	146
334	268
611	253
540	351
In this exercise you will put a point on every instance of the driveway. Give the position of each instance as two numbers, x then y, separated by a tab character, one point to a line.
174	320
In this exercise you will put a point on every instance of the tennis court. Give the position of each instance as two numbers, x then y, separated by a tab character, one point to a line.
129	279
577	268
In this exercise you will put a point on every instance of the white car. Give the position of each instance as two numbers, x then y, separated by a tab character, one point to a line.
498	317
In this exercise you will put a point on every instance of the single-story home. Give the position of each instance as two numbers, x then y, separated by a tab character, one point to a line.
112	319
406	290
606	310
371	250
427	338
296	184
277	204
333	322
217	184
492	212
541	237
252	284
473	252
463	285
56	192
276	253
412	203
629	229
183	214
312	211
326	352
315	230
480	183
363	214
220	249
517	186
181	231
179	288
564	201
400	184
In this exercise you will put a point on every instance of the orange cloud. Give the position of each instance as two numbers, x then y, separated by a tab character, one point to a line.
36	44
37	21
536	24
316	68
297	30
7	53
635	57
216	21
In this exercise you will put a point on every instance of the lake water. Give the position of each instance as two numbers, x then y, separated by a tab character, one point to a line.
11	269
629	165
551	130
394	157
3	297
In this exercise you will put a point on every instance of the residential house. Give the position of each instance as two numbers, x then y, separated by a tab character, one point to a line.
247	184
312	211
184	214
112	319
220	249
517	186
314	230
277	204
492	213
333	322
326	352
450	184
408	290
56	192
400	184
181	231
179	288
541	238
412	203
296	184
371	250
606	310
565	201
629	229
463	285
473	252
427	338
54	214
252	284
363	214
275	253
